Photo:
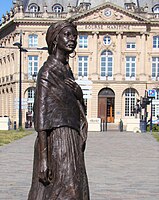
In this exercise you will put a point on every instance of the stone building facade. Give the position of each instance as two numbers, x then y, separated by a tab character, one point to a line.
117	56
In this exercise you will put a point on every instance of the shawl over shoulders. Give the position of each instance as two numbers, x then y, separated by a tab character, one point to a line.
55	104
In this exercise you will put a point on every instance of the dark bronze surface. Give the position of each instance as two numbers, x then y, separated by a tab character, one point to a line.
59	118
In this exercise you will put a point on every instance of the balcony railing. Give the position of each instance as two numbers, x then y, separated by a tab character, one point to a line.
47	14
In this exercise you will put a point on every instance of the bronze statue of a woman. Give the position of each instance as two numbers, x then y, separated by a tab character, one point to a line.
59	119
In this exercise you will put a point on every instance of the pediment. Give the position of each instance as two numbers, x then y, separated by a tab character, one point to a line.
108	12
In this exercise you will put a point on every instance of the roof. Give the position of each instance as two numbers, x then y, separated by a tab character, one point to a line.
142	3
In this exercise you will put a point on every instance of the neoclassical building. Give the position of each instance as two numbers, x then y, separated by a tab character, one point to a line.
117	56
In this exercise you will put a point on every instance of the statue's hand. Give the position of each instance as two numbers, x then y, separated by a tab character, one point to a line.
75	87
43	173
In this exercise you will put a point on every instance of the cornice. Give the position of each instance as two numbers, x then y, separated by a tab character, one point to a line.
112	22
35	21
48	22
125	82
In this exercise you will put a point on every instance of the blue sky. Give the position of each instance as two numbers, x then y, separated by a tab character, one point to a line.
5	6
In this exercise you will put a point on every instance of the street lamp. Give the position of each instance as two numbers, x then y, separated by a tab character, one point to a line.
19	45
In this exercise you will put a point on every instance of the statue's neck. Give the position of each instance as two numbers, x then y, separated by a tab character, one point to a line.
62	57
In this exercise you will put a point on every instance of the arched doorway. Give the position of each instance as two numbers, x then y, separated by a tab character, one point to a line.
106	99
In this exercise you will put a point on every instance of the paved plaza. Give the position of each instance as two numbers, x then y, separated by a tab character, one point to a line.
120	166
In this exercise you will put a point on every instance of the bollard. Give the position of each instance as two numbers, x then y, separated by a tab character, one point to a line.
15	125
143	126
121	125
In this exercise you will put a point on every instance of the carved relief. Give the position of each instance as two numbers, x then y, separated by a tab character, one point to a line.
118	15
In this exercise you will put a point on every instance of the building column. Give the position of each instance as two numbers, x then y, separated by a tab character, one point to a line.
117	59
142	67
95	56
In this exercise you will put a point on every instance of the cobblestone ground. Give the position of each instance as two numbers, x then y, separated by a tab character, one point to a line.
120	166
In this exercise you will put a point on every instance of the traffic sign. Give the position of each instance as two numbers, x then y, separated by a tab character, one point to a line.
151	93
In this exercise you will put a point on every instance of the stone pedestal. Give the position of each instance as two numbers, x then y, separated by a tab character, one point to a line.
94	124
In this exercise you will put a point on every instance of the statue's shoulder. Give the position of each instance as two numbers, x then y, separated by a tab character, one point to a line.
51	67
48	65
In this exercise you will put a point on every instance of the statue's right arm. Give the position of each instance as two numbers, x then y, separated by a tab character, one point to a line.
43	173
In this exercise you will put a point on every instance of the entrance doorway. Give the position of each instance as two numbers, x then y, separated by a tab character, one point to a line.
106	98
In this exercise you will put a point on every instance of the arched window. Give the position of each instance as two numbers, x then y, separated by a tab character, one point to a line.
57	8
33	8
155	9
106	65
33	40
130	101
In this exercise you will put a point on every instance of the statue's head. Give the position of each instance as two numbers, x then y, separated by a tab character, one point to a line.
62	35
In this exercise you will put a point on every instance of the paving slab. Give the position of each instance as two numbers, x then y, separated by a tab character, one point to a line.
123	166
120	166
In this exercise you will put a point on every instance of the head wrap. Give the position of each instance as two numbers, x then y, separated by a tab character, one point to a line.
53	31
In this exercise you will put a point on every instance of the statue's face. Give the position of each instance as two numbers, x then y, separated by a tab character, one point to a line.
67	39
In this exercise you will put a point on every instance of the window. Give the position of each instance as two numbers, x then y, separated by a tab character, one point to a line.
31	95
129	6
33	8
130	42
33	40
32	66
155	9
106	64
30	107
57	8
82	66
155	105
156	41
130	45
83	41
106	40
155	67
130	67
129	101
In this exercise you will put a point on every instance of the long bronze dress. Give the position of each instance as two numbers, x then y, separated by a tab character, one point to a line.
58	112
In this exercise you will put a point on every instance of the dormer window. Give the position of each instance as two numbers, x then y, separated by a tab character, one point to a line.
33	8
57	8
155	9
129	6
